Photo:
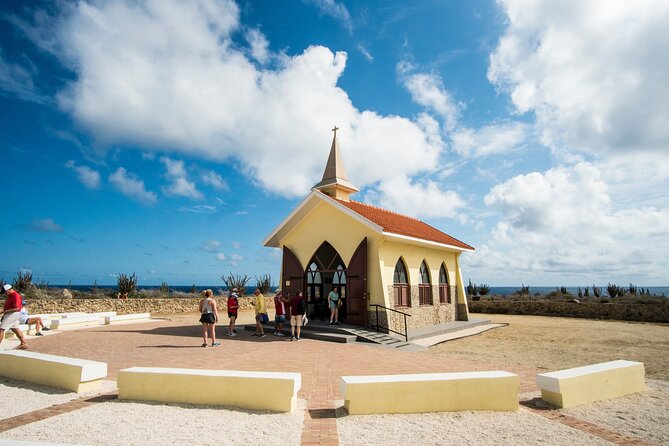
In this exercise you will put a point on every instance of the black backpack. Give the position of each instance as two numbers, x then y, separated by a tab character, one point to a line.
301	307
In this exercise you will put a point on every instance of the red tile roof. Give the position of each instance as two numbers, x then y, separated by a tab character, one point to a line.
401	224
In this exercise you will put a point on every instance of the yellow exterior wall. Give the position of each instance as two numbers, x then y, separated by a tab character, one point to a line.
249	390
344	233
436	392
413	256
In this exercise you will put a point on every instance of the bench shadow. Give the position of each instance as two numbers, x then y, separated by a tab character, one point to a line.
188	406
537	404
34	387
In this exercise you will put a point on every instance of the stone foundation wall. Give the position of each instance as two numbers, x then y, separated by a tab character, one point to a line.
132	305
621	312
421	315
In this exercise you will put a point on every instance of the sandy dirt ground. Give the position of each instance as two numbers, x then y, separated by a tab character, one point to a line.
554	343
543	342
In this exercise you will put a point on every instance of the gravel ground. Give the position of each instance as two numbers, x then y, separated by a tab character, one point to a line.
642	415
458	428
136	423
18	397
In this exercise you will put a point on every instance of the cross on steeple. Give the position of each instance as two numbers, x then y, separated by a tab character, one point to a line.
335	130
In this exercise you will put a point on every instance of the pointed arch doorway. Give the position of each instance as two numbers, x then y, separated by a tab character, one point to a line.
325	270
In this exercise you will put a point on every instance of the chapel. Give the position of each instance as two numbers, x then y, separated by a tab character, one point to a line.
383	262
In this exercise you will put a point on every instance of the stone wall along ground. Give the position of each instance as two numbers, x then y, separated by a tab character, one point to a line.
131	305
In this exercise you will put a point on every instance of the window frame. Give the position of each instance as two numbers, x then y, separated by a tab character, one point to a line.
425	285
401	296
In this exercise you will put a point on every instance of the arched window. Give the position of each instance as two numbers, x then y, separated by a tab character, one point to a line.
314	283
401	285
339	279
444	288
424	287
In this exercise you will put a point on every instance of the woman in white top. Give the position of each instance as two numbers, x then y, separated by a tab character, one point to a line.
209	318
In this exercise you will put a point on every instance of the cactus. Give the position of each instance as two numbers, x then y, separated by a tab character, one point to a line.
126	284
239	282
264	283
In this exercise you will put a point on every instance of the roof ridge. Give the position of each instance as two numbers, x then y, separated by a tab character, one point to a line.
387	210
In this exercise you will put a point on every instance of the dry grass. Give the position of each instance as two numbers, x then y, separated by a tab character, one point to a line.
554	343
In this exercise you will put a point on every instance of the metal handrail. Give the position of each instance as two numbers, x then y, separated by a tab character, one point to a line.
406	328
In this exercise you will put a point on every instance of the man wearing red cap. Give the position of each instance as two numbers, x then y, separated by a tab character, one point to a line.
10	315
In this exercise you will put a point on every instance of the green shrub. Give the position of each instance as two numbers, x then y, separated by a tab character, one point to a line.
484	289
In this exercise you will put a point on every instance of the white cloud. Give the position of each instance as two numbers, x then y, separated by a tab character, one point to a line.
427	89
236	244
336	10
199	209
46	225
220	256
196	93
365	52
213	179
87	176
419	199
179	183
17	81
259	45
211	245
594	72
490	139
565	225
131	186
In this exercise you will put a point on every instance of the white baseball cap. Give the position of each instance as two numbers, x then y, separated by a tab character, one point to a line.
7	287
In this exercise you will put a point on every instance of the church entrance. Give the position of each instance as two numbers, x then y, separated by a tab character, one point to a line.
326	271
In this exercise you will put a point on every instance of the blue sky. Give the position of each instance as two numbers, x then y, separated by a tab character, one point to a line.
169	138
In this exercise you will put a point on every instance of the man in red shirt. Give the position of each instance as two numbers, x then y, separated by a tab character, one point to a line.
10	315
297	308
280	316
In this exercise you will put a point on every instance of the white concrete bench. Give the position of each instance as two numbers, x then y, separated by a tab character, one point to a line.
275	391
62	315
582	385
430	392
75	322
104	314
136	317
9	334
77	375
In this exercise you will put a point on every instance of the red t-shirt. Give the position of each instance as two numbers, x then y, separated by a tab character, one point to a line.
233	304
279	306
294	302
14	300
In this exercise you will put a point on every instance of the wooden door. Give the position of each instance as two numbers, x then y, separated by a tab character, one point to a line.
356	278
293	274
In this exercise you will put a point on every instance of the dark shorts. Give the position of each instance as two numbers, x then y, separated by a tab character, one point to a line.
208	318
231	314
280	318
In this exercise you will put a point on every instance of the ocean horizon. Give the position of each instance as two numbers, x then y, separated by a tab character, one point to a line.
500	290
